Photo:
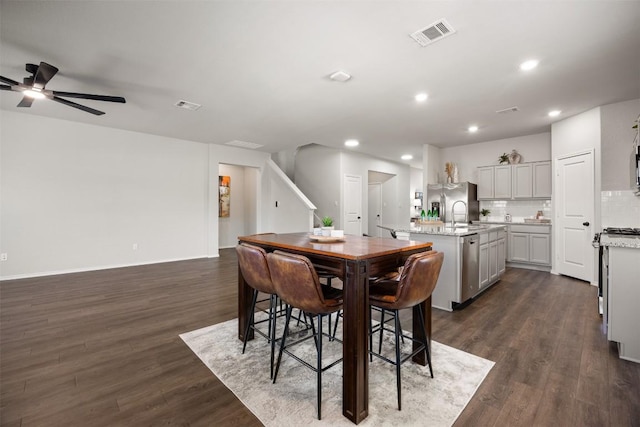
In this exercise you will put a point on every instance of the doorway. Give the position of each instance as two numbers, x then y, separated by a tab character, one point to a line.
575	213
353	205
374	212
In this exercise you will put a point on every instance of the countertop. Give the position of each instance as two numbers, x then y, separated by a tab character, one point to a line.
459	230
510	223
618	241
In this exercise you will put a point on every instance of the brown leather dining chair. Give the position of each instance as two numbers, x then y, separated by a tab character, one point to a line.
297	284
255	271
414	285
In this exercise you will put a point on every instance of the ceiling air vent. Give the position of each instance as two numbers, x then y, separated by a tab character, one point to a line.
434	32
187	105
508	110
244	144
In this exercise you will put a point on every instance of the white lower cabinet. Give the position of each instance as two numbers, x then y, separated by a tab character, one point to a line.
502	254
484	265
519	247
492	257
530	244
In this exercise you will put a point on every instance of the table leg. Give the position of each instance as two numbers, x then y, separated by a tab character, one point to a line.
421	358
245	294
355	386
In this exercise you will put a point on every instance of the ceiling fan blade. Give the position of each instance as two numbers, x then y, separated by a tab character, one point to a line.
31	68
5	87
44	73
9	81
26	101
89	96
78	106
28	81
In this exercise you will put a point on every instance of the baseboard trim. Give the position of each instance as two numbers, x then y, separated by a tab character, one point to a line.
96	268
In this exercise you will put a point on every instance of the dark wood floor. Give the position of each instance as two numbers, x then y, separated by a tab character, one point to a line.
102	349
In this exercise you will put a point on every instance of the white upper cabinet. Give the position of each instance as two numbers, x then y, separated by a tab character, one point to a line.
519	181
542	180
485	182
502	182
522	184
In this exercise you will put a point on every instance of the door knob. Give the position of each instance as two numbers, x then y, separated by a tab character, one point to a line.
586	223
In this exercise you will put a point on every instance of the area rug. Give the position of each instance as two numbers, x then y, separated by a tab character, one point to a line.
291	401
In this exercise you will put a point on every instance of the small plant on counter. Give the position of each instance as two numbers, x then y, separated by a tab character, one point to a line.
327	221
485	212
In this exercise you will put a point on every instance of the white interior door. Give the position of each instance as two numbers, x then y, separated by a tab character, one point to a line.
575	188
374	217
353	205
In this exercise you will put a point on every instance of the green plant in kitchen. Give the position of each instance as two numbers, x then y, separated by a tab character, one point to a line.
504	158
327	221
485	212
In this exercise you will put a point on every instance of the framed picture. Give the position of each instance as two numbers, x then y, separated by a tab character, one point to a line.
224	205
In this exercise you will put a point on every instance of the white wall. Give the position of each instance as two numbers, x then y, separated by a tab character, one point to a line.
317	174
618	168
431	166
77	197
578	134
320	171
532	148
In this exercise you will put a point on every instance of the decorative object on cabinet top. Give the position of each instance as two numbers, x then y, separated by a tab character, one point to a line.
514	157
451	170
504	158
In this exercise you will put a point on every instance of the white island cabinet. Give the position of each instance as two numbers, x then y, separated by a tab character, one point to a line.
474	259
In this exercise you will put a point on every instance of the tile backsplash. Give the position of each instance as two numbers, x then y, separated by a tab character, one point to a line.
519	209
620	209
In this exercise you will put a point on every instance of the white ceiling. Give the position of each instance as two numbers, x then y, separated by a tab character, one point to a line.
260	68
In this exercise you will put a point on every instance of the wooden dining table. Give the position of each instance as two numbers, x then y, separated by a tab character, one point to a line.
354	259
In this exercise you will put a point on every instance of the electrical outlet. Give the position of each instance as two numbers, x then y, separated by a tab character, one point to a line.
135	247
4	257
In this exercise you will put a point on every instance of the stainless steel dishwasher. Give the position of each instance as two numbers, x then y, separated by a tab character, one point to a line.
470	283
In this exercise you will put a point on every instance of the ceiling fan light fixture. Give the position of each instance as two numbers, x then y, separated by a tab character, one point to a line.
33	93
473	129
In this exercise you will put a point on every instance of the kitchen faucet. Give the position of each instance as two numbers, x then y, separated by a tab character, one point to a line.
453	209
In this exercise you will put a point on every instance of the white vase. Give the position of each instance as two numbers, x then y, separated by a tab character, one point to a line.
326	231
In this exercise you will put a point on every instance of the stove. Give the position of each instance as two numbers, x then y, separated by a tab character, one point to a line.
627	237
622	231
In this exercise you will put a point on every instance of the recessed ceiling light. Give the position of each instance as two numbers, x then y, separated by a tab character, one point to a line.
340	76
473	128
35	94
421	97
406	157
529	65
554	113
351	143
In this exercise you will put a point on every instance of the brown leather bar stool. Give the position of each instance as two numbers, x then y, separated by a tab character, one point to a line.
416	283
255	270
298	285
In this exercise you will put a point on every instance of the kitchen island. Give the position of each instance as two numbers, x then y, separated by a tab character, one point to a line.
474	258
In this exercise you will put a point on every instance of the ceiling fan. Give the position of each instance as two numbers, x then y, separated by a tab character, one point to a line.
33	87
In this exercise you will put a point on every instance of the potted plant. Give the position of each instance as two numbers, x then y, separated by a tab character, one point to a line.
504	158
327	225
485	213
